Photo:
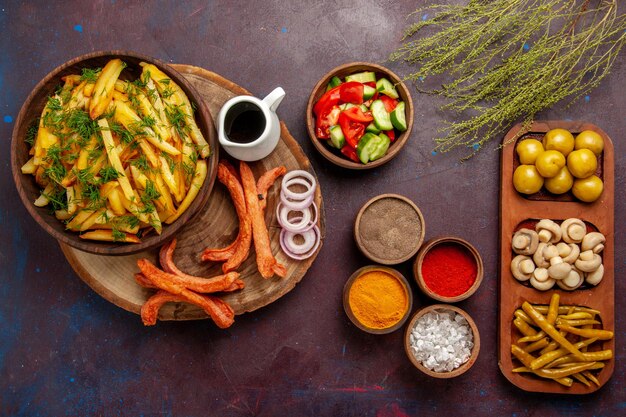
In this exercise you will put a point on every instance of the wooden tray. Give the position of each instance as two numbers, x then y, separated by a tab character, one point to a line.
215	226
514	209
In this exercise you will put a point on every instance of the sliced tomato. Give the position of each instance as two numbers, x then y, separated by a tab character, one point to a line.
390	103
352	130
328	100
350	152
391	134
351	92
328	118
357	115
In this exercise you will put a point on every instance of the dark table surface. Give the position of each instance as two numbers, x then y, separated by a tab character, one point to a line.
66	351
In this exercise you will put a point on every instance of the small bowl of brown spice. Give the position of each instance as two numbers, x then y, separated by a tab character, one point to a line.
389	229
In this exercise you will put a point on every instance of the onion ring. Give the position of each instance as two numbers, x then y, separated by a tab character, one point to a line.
296	174
299	223
296	205
284	235
298	218
292	195
297	248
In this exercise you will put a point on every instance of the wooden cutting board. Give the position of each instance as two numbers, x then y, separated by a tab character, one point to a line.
215	226
516	209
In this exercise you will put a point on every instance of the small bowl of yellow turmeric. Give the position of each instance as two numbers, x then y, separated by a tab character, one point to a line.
377	299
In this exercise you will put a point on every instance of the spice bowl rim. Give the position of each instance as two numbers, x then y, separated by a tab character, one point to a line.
455	372
342	71
361	245
396	274
431	243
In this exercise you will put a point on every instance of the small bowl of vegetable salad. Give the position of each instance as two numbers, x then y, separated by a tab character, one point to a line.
359	115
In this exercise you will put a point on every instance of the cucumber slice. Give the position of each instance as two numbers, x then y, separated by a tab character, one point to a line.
364	108
362	77
368	92
385	87
372	128
336	137
381	147
346	106
381	117
398	117
366	145
334	82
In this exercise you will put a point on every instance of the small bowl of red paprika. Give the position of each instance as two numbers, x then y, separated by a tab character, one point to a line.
448	269
359	115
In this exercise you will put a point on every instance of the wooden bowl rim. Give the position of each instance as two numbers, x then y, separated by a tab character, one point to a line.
455	372
398	144
111	248
369	268
417	268
357	229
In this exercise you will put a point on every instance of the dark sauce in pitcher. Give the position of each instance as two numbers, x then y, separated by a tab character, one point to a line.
244	123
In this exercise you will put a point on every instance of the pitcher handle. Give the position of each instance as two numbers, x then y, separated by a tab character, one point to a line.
274	98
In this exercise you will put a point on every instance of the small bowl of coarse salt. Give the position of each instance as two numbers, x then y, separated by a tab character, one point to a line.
442	341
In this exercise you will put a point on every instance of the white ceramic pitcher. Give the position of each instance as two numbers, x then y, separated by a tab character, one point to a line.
248	128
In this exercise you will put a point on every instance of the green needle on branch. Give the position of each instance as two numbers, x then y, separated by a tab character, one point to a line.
501	61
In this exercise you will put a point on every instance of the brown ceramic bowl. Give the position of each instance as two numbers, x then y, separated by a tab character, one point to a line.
455	372
31	110
393	255
341	71
355	320
452	240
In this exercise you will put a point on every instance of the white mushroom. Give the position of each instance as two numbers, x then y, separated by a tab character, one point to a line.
538	257
542	286
572	282
516	268
573	254
572	279
548	231
541	274
573	230
525	242
527	266
593	241
563	249
588	261
559	270
550	251
595	277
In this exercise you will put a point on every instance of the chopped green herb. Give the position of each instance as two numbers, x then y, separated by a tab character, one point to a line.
58	199
31	133
124	135
90	75
118	236
150	193
79	122
85	176
108	174
54	104
177	118
141	163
